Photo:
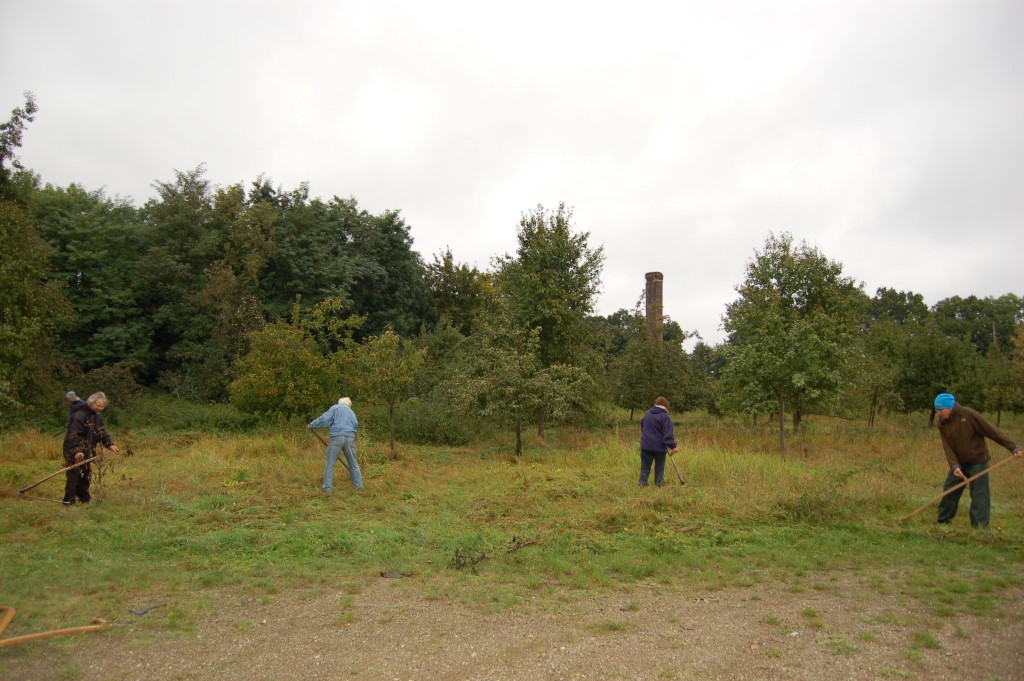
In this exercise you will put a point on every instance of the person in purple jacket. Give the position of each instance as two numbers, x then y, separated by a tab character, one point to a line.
657	437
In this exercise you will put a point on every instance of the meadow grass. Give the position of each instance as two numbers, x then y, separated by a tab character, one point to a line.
180	513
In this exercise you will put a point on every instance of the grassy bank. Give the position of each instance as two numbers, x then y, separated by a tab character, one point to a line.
179	512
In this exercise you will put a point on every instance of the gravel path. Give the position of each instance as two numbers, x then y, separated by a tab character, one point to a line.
390	631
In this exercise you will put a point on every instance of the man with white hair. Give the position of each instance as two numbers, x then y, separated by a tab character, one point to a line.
85	430
341	422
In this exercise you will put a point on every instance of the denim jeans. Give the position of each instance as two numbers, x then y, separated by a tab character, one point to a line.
647	457
980	496
336	445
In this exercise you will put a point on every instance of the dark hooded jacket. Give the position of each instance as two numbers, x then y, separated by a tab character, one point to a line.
656	431
85	429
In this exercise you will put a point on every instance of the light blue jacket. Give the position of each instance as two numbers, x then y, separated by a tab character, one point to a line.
340	419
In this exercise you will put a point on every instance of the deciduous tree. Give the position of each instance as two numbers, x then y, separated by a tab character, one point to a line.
790	331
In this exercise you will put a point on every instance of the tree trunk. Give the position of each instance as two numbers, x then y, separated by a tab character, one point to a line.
874	406
797	419
631	410
519	438
782	426
540	423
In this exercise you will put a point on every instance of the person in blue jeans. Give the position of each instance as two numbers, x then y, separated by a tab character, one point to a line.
341	423
657	437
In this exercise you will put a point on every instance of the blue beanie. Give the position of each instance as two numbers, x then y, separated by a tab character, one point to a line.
944	401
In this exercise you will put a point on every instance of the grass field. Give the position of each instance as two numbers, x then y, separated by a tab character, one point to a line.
181	513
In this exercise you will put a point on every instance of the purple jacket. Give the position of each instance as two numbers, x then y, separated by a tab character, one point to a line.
656	431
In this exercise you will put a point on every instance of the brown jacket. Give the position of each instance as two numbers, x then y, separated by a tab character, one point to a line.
963	437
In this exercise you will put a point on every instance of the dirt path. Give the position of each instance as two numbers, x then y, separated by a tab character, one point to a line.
390	631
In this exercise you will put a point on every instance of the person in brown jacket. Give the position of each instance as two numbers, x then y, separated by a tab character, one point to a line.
962	432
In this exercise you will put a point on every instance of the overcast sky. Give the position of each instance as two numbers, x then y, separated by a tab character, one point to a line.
889	133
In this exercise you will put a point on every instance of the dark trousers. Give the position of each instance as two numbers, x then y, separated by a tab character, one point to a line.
981	499
647	457
77	485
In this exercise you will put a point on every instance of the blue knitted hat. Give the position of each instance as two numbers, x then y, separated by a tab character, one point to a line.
944	401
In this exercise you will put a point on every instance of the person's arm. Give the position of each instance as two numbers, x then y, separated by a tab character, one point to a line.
670	434
951	457
104	435
322	421
992	433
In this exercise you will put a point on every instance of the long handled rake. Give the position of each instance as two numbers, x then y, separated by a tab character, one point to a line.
7	614
51	475
956	487
678	474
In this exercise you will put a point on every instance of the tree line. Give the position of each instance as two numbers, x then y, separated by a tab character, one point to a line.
275	300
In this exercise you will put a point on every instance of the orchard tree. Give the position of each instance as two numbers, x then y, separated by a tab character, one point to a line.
504	378
549	286
283	374
385	368
790	331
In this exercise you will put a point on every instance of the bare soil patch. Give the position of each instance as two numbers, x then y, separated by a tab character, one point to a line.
391	631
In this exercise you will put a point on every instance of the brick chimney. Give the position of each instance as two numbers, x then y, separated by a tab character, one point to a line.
654	308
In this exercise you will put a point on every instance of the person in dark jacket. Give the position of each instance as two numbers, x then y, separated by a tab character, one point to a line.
657	437
85	430
73	403
962	432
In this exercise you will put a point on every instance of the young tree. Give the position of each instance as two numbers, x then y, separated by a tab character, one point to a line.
504	378
550	285
791	330
283	374
385	368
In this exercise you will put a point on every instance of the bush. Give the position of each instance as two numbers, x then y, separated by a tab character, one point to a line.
430	422
167	413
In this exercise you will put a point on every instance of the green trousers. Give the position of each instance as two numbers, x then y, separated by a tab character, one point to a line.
981	499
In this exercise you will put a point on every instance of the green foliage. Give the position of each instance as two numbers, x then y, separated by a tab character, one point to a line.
504	378
982	322
458	291
551	283
96	245
167	414
33	310
431	421
790	331
10	141
390	286
385	367
646	369
283	374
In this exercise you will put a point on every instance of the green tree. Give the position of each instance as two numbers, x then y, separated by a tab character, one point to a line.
645	369
790	331
459	292
389	286
981	321
283	374
385	368
932	362
503	377
96	256
33	310
550	286
11	132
